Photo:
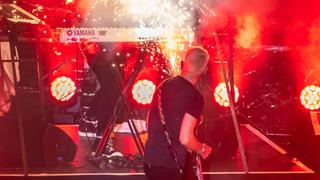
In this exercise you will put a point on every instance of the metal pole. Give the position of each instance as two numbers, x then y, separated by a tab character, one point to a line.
12	37
77	74
136	136
40	82
122	98
233	112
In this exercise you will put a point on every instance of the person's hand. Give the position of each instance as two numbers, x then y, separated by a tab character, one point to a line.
89	47
201	119
205	151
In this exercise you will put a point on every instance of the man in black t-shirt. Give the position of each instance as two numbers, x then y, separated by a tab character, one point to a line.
181	107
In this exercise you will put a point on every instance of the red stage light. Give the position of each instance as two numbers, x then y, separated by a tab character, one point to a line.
63	88
221	95
310	97
143	91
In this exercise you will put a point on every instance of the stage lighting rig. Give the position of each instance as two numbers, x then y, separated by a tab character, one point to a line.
143	91
310	97
221	95
62	88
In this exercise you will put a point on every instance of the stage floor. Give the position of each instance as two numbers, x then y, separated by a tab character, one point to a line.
265	159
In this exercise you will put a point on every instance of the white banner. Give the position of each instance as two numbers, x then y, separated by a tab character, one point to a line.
124	34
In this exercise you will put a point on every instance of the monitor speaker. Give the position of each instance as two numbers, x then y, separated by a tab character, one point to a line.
59	148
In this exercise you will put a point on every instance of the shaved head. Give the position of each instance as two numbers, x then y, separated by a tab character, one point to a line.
195	60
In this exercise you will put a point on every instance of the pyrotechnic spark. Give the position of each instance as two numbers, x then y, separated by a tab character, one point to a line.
156	13
151	13
176	16
173	50
163	14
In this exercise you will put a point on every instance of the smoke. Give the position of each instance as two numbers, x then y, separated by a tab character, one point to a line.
301	26
248	32
266	25
309	60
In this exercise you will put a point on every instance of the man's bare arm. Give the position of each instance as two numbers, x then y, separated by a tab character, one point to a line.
189	140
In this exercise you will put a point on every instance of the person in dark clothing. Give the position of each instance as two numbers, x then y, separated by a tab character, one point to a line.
181	107
105	99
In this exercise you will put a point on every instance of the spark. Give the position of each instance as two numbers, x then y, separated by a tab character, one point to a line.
174	16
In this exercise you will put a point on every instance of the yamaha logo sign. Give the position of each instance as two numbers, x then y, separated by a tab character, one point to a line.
81	32
69	32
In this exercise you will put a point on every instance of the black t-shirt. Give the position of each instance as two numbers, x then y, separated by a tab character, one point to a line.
178	97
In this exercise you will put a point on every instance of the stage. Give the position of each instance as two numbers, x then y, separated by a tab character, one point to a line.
64	62
266	160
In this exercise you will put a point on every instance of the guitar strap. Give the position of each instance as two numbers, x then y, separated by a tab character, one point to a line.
196	161
171	148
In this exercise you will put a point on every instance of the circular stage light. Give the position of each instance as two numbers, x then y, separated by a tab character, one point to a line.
63	88
143	91
310	97
221	95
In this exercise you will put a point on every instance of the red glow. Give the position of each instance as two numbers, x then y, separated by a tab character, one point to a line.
315	119
309	64
62	60
71	131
